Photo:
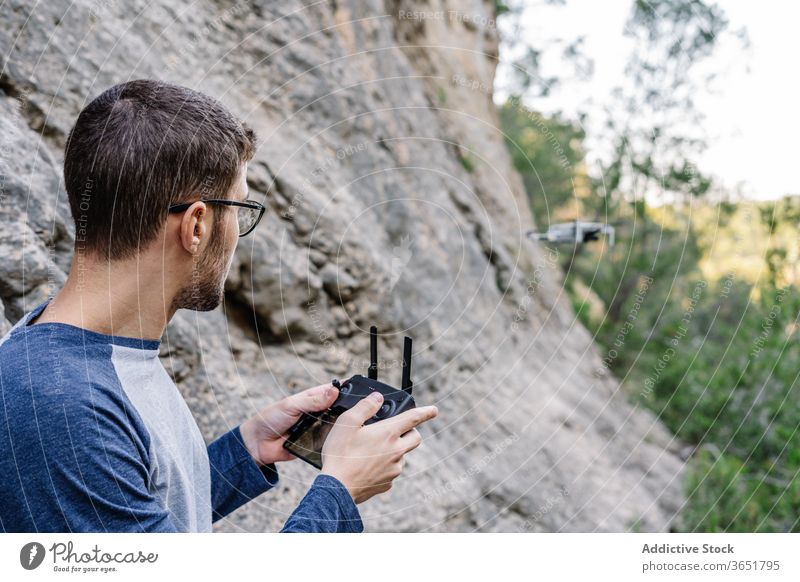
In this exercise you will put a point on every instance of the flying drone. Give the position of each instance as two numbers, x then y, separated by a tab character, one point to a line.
576	232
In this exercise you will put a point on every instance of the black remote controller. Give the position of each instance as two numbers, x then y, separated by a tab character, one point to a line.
308	434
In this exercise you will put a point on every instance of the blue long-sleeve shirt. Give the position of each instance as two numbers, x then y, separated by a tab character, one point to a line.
95	436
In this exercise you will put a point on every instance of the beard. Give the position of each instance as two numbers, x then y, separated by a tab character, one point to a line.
206	290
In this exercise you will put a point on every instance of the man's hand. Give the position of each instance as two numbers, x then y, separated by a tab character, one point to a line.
264	433
366	459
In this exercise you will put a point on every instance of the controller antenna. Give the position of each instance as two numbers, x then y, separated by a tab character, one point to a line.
407	383
372	372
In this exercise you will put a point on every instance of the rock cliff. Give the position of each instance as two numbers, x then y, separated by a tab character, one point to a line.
392	201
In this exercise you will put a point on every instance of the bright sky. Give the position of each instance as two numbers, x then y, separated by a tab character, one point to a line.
752	123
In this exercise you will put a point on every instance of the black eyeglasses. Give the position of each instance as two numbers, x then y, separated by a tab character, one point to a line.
248	212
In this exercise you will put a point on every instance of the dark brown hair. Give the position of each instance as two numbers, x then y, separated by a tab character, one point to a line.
140	147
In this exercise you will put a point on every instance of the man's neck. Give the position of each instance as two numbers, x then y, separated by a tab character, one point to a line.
122	298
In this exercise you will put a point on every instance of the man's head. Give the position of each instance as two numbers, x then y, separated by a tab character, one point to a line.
141	147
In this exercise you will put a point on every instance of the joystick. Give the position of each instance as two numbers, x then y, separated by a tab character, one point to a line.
308	434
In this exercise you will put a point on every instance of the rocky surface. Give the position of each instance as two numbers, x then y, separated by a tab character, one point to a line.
391	201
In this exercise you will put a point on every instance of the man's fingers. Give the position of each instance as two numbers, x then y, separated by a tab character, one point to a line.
283	455
363	411
411	440
312	400
402	423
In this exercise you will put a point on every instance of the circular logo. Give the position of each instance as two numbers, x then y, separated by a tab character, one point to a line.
31	555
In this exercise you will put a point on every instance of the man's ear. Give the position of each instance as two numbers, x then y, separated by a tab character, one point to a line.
193	227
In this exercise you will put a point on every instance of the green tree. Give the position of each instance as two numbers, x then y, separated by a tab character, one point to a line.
548	153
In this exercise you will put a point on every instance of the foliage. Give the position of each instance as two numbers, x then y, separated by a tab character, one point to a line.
717	359
548	152
696	307
655	129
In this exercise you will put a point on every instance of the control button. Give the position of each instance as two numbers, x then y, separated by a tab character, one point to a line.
385	410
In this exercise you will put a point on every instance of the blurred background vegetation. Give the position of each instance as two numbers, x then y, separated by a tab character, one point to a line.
696	306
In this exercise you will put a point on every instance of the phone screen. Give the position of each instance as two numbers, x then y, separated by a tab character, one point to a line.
307	444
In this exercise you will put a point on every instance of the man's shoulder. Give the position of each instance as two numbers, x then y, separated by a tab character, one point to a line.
46	353
47	367
54	387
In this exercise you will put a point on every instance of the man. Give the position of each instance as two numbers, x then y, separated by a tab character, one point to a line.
94	435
